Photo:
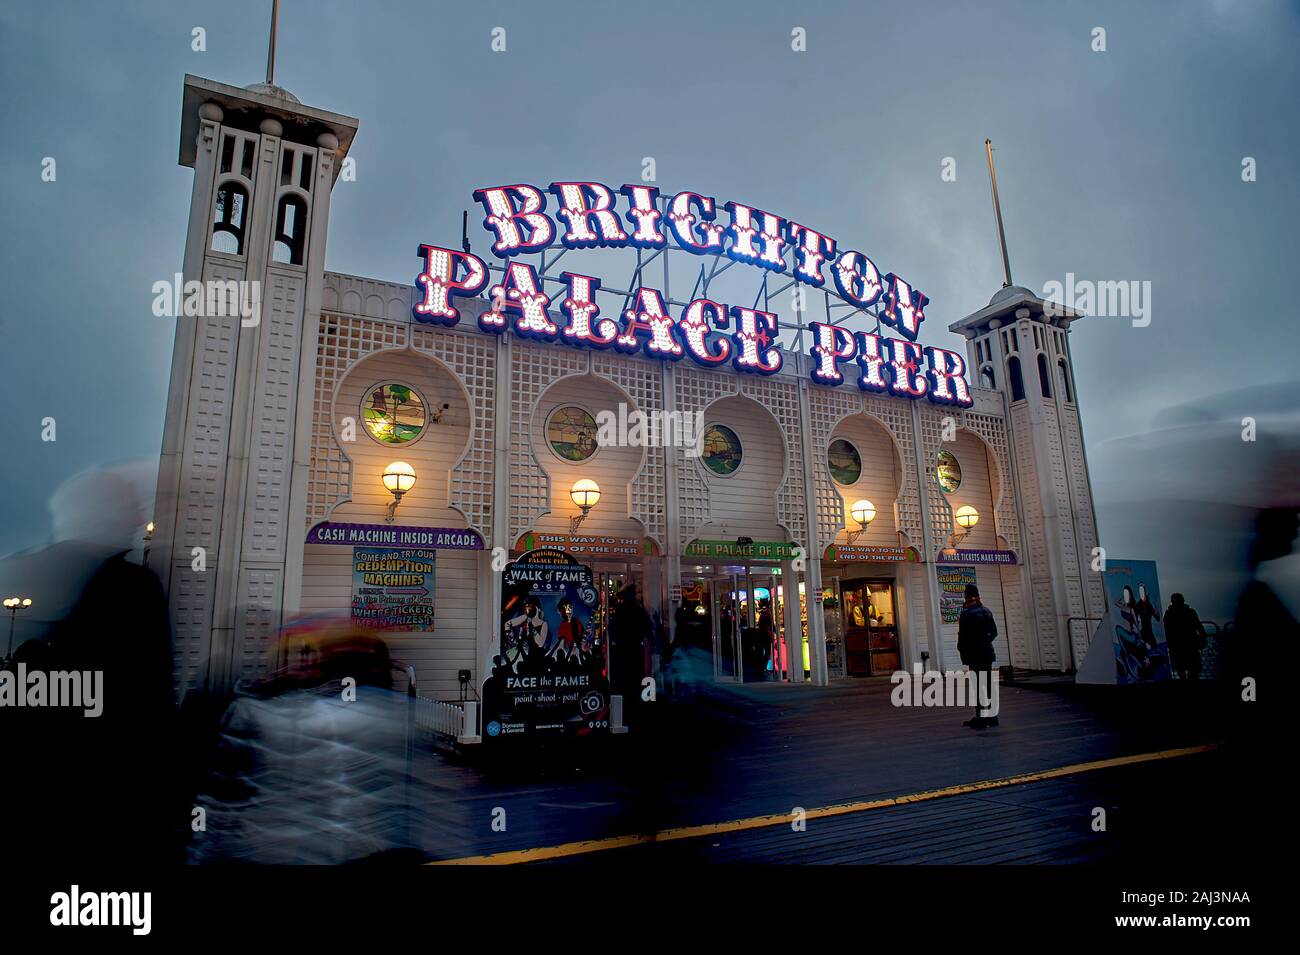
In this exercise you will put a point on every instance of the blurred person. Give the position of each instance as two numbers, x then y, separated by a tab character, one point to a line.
112	786
1264	626
311	767
1186	637
629	630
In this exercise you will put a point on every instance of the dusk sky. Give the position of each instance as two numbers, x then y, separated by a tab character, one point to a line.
1117	165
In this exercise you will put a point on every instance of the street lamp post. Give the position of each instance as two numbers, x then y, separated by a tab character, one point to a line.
13	605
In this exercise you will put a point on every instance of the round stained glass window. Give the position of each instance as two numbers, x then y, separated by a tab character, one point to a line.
393	413
571	433
722	451
844	461
948	471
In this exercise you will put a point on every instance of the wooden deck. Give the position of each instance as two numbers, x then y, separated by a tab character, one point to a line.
743	752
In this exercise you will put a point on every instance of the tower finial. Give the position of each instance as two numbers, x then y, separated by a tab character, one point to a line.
997	211
270	50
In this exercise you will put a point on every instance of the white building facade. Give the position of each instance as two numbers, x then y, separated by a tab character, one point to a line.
267	438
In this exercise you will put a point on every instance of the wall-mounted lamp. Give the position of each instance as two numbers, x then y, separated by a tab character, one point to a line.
965	518
864	512
585	493
399	477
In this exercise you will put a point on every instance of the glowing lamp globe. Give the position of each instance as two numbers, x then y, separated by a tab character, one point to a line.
585	493
399	477
966	517
864	512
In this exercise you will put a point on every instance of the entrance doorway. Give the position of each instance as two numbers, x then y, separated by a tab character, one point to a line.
608	584
745	611
870	627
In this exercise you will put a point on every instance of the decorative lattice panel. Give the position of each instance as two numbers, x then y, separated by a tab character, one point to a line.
781	398
993	429
827	407
343	341
258	622
694	393
533	369
896	416
472	360
643	382
1082	486
931	439
273	419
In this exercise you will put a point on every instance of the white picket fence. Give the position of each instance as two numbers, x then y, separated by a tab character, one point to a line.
457	721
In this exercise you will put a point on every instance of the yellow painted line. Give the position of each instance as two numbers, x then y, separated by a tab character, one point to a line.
563	850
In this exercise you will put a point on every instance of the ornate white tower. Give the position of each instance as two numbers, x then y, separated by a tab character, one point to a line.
1020	345
230	513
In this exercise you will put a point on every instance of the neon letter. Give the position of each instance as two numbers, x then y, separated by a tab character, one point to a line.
504	219
694	329
947	366
831	345
581	204
681	219
743	232
857	279
580	308
903	308
644	214
440	285
755	338
648	317
810	252
520	294
905	364
872	364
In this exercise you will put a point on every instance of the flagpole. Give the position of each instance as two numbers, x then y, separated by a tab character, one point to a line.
997	211
270	50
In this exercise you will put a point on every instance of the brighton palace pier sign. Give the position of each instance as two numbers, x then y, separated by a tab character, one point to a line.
517	216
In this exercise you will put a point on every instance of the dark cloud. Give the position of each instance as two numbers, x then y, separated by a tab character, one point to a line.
1116	165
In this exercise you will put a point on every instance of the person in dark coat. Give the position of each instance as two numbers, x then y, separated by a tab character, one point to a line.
976	631
1186	637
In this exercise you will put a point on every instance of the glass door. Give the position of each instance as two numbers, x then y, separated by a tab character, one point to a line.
607	586
833	620
767	648
726	599
870	628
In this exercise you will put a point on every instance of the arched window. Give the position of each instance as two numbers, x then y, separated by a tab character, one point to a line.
1065	380
229	218
290	230
1044	379
1013	376
986	377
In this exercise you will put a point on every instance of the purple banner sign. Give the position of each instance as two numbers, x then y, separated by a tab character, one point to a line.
393	535
978	557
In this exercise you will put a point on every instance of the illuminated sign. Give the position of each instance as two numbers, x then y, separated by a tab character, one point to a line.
710	333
